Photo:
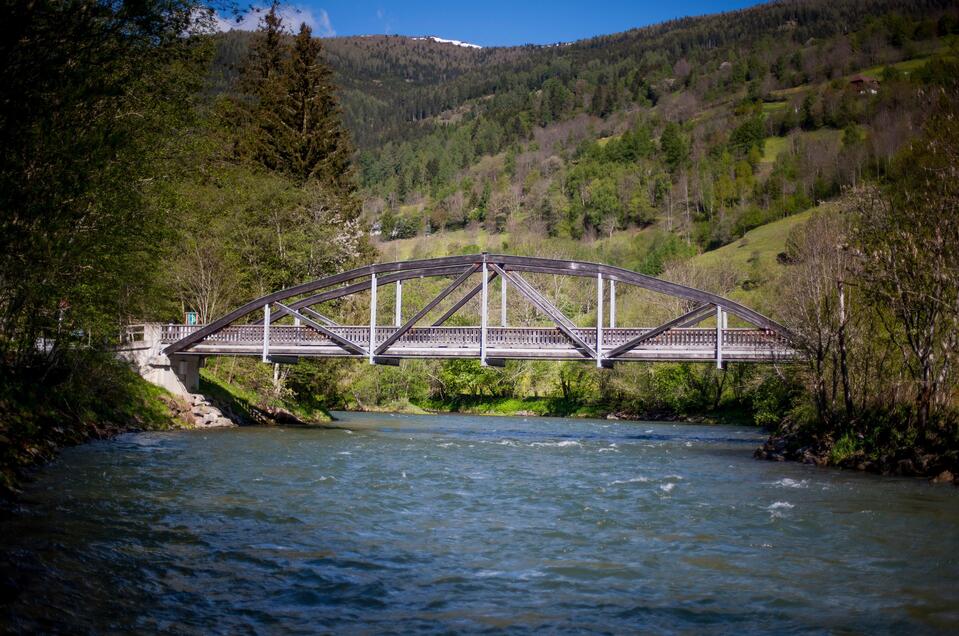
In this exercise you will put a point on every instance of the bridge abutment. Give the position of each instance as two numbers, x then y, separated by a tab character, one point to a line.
143	348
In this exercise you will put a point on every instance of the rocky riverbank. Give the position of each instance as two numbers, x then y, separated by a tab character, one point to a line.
196	411
793	446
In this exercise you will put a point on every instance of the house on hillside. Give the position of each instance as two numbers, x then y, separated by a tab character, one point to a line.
863	85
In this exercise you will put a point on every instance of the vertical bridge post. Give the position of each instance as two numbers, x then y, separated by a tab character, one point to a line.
612	304
720	319
599	319
484	312
372	316
398	319
502	301
266	332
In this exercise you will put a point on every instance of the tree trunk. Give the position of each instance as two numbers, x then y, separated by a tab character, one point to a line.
843	360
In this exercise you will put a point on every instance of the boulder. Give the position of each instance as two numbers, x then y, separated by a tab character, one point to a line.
945	477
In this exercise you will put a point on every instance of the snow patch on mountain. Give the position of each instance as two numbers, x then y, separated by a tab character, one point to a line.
468	45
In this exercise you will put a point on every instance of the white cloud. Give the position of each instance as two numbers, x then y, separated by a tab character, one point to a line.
292	16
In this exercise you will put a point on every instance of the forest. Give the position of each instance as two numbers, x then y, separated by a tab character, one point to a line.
798	156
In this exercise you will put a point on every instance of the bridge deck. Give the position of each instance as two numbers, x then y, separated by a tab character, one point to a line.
518	343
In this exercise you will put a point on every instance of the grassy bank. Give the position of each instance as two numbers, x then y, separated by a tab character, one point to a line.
549	407
535	406
247	405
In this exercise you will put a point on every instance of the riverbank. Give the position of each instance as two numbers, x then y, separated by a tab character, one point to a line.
548	407
246	407
90	397
936	462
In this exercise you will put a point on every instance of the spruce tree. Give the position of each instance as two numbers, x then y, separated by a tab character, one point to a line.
267	52
296	118
320	146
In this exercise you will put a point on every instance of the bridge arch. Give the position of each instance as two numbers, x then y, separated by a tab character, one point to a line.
770	340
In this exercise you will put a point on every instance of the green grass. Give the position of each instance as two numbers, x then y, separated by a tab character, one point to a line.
875	72
754	258
773	147
442	244
906	67
246	404
537	406
471	241
846	447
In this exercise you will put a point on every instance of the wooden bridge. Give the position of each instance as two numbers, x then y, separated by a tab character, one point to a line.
287	325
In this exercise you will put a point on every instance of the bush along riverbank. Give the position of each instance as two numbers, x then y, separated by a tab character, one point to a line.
887	446
561	407
550	407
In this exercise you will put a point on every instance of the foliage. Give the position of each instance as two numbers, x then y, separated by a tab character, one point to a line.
92	98
248	391
871	296
94	101
295	118
910	252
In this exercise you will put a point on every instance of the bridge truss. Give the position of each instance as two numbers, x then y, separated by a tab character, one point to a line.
288	324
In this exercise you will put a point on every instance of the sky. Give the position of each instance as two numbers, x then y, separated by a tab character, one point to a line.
485	22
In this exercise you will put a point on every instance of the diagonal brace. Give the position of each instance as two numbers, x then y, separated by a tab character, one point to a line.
694	316
349	345
326	321
562	322
280	313
462	301
425	310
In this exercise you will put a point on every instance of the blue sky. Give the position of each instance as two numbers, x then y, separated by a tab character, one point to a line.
489	22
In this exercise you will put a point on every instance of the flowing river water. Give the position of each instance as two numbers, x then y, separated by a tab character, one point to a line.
399	524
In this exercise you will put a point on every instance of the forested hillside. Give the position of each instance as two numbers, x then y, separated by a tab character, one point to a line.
706	127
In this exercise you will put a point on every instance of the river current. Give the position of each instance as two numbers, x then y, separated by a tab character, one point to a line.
400	524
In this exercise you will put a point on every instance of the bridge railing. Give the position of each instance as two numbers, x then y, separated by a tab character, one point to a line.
132	334
497	337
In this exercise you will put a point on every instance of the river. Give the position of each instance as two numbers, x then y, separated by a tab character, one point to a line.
399	524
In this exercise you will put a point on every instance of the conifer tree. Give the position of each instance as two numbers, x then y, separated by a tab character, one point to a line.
267	52
319	144
296	120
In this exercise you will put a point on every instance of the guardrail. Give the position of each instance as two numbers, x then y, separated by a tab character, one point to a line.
469	337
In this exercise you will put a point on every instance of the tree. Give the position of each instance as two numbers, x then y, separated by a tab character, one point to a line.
267	53
750	134
93	99
909	242
674	146
812	298
297	121
556	100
